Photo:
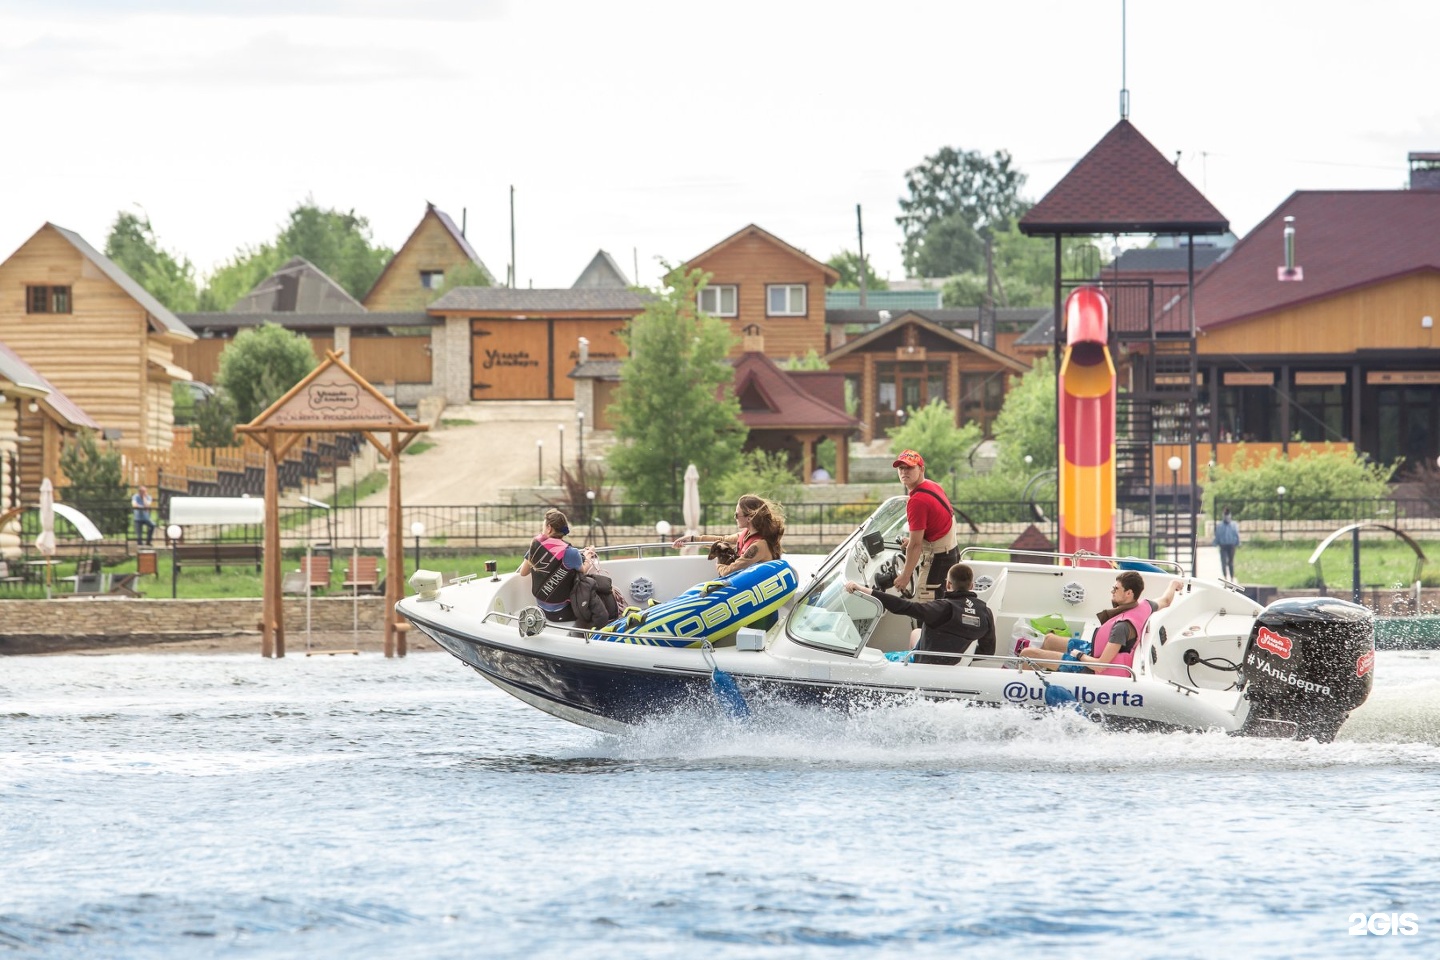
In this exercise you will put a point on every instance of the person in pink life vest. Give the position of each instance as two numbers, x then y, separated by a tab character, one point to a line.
1113	645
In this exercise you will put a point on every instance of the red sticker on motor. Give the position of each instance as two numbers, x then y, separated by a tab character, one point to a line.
1274	643
1365	663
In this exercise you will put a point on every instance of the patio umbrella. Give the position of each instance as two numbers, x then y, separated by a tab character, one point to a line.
690	506
45	543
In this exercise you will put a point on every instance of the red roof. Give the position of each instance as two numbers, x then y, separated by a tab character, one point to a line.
1123	185
1344	239
773	399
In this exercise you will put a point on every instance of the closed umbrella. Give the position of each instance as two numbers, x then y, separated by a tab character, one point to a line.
690	505
45	543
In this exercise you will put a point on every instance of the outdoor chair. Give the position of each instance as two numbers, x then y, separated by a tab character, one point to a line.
317	571
363	575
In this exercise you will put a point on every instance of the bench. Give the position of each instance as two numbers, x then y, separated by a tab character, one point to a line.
316	571
217	554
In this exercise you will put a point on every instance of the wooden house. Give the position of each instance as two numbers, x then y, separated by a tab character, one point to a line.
759	281
1337	344
910	361
414	276
94	333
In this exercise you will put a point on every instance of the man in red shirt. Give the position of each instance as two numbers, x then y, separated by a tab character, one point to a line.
930	547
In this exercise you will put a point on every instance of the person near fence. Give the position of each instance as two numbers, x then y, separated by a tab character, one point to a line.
556	565
761	525
948	625
930	547
1227	538
141	503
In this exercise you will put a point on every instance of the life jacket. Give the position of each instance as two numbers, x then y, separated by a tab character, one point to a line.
1136	616
970	621
551	581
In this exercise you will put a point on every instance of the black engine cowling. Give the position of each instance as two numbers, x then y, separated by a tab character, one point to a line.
1309	662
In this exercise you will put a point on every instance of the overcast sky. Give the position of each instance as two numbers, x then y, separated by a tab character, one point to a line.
656	129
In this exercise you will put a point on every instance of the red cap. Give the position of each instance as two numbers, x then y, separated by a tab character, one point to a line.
909	458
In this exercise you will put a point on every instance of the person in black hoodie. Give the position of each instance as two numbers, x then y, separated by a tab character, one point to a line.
950	624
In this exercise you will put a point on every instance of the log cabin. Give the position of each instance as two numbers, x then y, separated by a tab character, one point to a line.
94	333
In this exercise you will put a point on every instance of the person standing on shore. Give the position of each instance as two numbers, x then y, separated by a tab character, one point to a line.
1227	538
141	503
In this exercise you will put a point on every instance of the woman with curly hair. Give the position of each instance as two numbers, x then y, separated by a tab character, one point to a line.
761	524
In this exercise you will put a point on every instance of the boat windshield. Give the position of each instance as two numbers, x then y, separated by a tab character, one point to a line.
889	519
829	617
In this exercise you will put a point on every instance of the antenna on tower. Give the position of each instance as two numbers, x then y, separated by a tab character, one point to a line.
1124	90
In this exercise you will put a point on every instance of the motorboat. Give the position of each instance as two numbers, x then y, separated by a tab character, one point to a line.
1213	659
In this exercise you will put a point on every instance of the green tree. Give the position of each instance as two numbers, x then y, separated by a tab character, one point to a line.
214	421
847	262
96	481
134	248
1319	480
766	474
336	242
260	365
239	275
983	191
675	405
811	361
931	430
949	246
1026	423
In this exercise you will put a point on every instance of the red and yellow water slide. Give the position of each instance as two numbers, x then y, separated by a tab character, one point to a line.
1087	426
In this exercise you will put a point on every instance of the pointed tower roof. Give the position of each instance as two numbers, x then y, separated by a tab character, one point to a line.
602	271
297	287
1123	185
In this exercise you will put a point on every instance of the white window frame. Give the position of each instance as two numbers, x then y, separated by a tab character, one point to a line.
432	279
719	290
791	310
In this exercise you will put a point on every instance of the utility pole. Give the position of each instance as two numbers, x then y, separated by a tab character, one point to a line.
860	231
514	274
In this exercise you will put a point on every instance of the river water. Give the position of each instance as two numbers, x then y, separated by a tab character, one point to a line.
169	805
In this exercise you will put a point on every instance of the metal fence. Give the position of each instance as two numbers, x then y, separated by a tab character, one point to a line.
808	525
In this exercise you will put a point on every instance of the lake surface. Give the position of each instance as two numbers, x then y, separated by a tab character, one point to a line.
168	805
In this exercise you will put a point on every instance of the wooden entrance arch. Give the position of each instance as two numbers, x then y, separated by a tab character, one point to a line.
333	398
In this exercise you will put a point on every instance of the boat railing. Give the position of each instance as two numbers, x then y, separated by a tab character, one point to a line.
1079	558
636	551
1006	661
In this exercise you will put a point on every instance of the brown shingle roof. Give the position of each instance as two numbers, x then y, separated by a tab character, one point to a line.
1123	185
788	400
1343	239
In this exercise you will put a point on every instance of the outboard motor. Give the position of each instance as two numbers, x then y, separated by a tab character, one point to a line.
1309	662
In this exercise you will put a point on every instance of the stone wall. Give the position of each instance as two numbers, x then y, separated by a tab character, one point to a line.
115	617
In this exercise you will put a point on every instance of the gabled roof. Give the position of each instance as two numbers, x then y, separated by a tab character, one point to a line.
157	311
602	272
20	373
444	220
505	299
1163	260
915	319
946	316
1344	239
779	400
297	287
1123	185
831	274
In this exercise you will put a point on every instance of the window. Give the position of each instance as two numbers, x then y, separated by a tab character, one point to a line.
1249	408
1320	411
432	279
785	300
47	299
720	301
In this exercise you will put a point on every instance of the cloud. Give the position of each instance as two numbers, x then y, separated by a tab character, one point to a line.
423	10
266	59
